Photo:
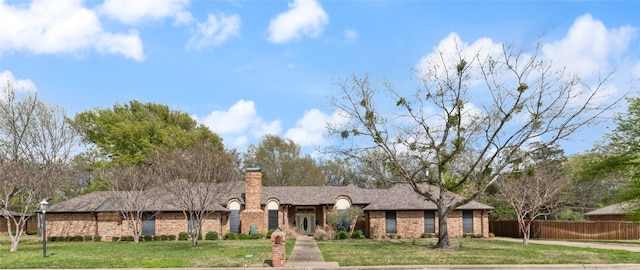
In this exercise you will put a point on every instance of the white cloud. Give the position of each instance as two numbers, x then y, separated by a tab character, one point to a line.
135	12
18	84
216	30
310	128
447	52
304	18
51	27
588	45
241	119
350	36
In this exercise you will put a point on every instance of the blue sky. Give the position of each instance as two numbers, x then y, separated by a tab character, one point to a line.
250	68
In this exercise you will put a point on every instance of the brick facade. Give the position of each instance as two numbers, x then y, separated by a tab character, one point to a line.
410	224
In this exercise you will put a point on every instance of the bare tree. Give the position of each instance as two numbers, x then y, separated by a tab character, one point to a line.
36	145
463	126
535	190
195	181
132	195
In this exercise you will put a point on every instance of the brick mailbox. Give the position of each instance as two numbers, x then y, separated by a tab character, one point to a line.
278	248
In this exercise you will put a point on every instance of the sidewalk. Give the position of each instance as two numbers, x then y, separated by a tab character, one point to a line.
576	243
307	255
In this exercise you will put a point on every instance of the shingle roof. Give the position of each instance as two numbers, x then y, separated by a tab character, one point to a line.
403	197
398	197
614	209
318	195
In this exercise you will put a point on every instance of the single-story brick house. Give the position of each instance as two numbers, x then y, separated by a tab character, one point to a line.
30	225
394	211
614	212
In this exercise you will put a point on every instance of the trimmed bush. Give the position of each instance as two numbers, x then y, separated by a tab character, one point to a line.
357	234
127	238
171	237
256	236
342	235
32	232
211	236
183	236
243	236
230	236
88	238
115	239
97	238
147	237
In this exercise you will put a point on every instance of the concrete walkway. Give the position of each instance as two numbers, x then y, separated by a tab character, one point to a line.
598	245
307	255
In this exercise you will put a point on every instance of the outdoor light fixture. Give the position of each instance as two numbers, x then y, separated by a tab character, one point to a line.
43	207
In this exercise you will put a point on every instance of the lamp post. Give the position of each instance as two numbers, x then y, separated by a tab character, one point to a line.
43	207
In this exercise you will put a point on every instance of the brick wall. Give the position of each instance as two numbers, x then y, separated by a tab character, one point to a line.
410	224
70	224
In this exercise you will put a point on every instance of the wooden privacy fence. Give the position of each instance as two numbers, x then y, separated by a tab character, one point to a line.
601	230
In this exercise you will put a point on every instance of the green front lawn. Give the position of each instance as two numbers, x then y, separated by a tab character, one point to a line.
465	251
233	253
107	254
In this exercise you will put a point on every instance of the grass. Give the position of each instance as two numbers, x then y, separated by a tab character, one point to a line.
232	253
465	251
154	254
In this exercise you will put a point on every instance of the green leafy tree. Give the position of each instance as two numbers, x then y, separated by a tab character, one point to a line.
342	172
130	133
283	164
622	156
465	124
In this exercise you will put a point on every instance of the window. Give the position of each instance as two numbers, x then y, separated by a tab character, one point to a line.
342	214
467	221
148	224
390	222
193	223
273	215
234	217
429	221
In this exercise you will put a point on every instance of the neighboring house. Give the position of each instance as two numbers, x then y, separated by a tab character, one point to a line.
394	211
30	225
614	212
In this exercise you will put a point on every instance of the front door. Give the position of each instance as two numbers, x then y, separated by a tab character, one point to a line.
306	221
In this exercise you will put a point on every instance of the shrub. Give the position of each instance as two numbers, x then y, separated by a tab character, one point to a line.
147	237
171	237
428	235
256	236
324	233
230	236
75	238
32	232
115	239
342	235
243	236
128	238
357	234
492	235
211	236
88	238
270	232
183	236
52	238
97	238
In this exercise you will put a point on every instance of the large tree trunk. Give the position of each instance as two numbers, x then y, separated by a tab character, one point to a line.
443	230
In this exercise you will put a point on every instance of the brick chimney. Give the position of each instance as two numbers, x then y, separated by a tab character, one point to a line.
253	213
